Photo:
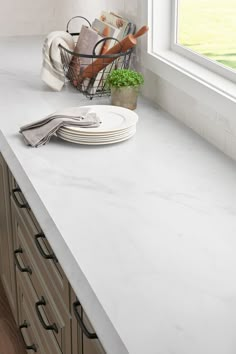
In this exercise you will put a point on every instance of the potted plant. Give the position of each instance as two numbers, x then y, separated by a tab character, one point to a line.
125	85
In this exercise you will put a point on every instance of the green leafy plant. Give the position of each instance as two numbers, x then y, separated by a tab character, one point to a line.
124	77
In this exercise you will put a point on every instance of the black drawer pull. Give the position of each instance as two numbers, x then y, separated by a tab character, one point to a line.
28	347
40	249
81	323
26	269
18	203
52	327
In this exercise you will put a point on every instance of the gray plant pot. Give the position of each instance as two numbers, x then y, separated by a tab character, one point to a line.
125	96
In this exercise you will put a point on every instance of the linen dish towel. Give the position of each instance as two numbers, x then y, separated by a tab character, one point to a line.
86	42
52	69
39	133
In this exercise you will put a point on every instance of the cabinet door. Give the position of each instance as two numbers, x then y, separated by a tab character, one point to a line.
76	330
36	340
26	324
32	274
85	340
7	267
90	345
40	248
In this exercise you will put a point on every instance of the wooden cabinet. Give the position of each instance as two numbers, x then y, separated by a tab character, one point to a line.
27	322
48	313
85	340
7	268
90	346
36	340
48	304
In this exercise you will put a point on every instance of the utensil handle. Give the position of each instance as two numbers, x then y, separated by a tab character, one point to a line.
127	43
141	31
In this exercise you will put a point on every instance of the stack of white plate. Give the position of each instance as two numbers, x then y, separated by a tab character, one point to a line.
117	124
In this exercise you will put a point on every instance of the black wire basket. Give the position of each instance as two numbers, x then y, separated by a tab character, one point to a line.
82	69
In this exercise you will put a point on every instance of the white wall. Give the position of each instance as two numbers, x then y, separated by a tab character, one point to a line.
28	17
207	122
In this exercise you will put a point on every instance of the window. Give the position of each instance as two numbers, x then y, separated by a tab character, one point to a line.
208	27
205	31
205	75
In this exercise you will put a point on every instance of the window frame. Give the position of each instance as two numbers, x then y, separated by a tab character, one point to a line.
208	63
186	74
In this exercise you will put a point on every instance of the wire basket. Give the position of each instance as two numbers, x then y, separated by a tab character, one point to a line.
82	69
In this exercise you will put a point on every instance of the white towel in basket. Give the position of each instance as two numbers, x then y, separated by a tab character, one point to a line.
52	70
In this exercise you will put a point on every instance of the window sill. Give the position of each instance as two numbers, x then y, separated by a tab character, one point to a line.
197	81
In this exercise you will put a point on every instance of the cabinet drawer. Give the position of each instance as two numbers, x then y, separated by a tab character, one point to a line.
48	301
84	337
43	257
90	346
19	199
41	245
27	324
7	269
33	334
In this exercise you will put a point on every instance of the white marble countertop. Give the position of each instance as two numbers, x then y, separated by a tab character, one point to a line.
145	230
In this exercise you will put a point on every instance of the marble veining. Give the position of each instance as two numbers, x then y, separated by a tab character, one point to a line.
144	230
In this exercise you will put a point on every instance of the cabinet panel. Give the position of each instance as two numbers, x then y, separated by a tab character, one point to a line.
85	340
33	335
41	251
45	314
90	346
76	330
56	313
7	267
26	324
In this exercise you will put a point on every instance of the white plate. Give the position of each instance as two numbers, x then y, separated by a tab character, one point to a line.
113	119
97	143
101	134
96	137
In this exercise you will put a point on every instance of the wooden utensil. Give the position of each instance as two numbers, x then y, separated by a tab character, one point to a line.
105	33
100	63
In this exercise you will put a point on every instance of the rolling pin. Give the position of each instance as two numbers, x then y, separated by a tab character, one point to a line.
105	33
100	63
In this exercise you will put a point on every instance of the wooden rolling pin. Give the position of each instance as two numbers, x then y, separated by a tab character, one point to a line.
105	33
100	63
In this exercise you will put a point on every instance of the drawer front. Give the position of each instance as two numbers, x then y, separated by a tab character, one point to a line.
44	257
57	314
7	269
76	330
44	250
19	198
85	340
33	335
27	324
90	346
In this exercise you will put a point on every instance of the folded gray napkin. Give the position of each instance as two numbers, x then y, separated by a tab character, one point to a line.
40	132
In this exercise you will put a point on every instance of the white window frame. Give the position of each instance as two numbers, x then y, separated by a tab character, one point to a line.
157	54
212	65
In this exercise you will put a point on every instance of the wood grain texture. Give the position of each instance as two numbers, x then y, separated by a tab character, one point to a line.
10	338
